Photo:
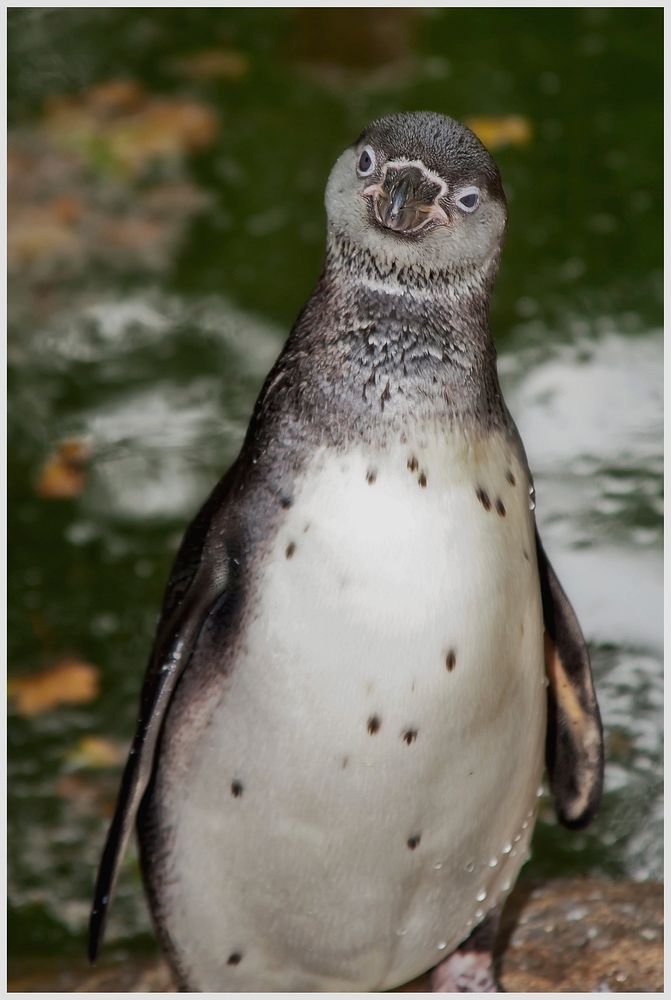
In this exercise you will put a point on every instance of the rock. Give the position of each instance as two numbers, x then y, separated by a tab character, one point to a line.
583	935
580	935
567	935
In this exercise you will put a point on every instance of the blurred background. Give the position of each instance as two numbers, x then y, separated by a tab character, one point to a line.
166	224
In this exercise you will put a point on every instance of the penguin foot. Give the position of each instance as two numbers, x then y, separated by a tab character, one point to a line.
470	968
465	972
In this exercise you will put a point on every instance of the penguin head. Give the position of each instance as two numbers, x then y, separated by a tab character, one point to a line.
421	190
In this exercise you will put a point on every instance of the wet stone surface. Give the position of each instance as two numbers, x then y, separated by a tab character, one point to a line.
584	935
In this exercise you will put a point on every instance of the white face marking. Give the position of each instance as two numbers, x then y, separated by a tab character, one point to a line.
429	174
443	247
435	214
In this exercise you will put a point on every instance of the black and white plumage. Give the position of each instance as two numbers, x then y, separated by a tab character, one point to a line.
343	723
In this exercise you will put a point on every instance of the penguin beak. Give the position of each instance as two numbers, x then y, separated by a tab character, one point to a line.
399	205
406	200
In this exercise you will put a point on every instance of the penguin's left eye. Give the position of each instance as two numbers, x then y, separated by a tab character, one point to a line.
468	199
366	164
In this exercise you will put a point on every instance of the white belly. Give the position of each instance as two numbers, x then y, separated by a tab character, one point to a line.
385	720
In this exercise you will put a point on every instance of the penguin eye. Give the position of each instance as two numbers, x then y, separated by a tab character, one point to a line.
468	199
366	164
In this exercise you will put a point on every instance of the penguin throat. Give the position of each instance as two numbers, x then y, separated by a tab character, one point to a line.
395	346
467	282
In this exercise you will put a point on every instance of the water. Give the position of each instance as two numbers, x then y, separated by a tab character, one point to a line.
148	302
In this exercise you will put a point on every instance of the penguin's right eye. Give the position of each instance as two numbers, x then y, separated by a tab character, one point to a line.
366	164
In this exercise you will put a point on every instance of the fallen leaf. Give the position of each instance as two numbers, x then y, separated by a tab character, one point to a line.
362	39
95	752
117	138
44	230
116	96
67	682
83	193
139	234
169	126
63	475
18	163
496	132
67	208
212	64
38	233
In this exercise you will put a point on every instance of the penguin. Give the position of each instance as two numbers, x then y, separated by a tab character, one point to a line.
364	658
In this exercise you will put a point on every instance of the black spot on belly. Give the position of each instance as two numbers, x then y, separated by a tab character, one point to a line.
371	476
451	660
374	724
483	497
526	554
413	464
286	502
409	736
500	508
291	548
510	477
422	479
413	842
237	788
345	762
235	958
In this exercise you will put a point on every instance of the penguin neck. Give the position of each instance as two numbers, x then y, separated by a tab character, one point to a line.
445	308
458	290
400	344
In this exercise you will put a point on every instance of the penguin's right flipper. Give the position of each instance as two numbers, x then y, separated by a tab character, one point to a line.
199	584
574	744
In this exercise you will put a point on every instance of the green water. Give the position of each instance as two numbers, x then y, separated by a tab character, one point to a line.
154	347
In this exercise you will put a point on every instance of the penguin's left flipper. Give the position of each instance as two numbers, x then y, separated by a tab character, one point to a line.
574	743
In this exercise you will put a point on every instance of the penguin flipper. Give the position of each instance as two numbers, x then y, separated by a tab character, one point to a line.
574	742
196	584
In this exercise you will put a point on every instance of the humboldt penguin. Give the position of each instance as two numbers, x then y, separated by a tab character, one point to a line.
364	656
